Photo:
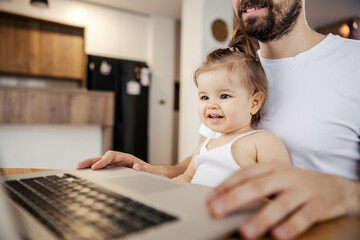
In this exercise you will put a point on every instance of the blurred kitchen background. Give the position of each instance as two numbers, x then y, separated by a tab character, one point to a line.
79	77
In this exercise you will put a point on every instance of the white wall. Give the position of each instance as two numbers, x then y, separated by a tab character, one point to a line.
47	146
196	42
162	48
118	34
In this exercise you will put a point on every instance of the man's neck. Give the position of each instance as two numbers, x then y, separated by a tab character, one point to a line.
299	40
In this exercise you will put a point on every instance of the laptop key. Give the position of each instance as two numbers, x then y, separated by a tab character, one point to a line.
73	208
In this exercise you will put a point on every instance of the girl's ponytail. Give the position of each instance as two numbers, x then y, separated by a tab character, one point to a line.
243	43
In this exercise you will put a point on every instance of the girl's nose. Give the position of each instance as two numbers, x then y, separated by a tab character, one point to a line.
212	105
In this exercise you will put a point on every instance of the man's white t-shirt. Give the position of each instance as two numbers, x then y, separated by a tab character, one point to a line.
313	106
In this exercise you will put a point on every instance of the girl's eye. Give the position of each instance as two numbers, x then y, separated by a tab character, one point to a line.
224	96
204	98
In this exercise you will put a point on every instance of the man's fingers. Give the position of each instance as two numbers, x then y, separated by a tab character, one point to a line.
248	192
273	213
302	198
87	162
298	223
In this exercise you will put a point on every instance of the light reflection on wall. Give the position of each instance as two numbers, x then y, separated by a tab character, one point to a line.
78	15
344	30
348	28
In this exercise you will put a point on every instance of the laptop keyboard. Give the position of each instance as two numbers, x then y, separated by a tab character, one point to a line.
73	208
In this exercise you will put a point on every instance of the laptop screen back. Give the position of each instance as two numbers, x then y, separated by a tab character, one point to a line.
7	223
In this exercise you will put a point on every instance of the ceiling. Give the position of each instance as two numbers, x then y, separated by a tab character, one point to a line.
319	12
166	8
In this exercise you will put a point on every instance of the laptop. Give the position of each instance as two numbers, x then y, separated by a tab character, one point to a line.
113	203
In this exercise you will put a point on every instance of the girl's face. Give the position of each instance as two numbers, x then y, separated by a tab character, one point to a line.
225	106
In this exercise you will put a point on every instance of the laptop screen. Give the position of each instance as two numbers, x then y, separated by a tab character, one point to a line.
7	223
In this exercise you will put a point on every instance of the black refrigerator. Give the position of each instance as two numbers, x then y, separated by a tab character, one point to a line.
130	81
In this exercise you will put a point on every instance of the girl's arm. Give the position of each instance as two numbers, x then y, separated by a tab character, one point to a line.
188	174
190	171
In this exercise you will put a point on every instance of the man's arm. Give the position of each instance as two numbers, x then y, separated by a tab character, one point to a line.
301	198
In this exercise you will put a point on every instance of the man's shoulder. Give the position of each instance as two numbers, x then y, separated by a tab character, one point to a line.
341	52
345	43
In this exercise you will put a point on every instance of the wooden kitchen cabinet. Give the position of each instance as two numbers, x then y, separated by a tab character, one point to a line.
19	45
34	47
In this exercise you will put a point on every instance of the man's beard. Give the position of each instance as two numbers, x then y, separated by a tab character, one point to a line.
278	22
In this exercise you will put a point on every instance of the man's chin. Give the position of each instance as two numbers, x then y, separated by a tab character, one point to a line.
253	23
255	31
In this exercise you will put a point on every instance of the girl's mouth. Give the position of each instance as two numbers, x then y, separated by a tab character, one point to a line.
214	116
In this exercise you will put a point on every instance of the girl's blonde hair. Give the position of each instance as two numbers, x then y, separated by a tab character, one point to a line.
242	62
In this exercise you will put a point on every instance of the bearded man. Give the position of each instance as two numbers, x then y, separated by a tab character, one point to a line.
313	106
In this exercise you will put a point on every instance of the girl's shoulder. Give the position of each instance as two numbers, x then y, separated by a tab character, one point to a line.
262	146
265	137
257	135
257	138
264	134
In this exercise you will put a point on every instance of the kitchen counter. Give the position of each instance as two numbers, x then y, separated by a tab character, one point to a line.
29	105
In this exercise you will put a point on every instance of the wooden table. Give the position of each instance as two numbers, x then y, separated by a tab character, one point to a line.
12	171
343	228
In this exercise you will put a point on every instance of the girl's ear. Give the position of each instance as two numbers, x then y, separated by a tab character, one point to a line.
256	102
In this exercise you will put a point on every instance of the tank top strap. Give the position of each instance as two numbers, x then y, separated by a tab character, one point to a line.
244	135
203	147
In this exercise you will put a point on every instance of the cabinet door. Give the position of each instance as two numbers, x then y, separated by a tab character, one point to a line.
61	51
36	47
19	45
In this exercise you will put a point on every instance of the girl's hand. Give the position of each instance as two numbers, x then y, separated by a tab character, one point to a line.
126	160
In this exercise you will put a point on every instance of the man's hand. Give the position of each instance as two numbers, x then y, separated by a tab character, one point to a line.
300	199
128	160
